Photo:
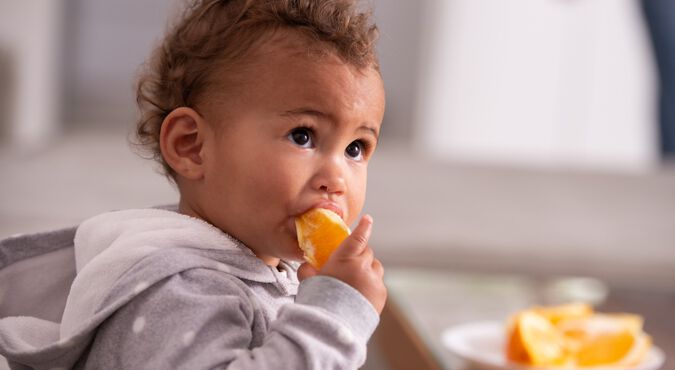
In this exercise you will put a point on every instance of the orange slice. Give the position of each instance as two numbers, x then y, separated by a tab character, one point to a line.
573	335
535	341
555	314
604	339
320	232
638	352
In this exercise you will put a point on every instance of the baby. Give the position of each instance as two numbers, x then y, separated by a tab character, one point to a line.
258	110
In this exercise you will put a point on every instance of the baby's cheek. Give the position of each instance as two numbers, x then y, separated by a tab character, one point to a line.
276	188
355	199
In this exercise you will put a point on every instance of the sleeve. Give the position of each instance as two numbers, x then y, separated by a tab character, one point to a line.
200	319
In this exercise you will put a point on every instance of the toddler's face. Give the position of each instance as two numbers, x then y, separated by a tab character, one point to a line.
298	136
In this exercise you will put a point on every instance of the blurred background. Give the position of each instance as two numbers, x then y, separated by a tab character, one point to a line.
523	136
511	130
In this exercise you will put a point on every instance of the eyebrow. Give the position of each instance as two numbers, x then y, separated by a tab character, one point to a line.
305	111
319	114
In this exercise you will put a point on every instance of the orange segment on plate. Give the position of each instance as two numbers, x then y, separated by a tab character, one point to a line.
573	335
638	351
604	339
320	232
535	341
555	314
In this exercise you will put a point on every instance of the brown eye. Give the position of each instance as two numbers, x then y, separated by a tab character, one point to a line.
354	150
301	137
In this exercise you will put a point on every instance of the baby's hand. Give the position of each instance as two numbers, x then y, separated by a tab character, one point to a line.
355	264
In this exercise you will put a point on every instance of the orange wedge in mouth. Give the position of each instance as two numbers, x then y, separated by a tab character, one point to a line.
320	232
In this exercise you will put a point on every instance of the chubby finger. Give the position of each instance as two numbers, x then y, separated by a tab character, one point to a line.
357	242
306	271
367	255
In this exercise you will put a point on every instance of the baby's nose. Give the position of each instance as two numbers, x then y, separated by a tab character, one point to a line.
331	177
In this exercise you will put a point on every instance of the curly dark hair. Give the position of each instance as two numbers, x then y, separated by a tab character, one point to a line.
211	34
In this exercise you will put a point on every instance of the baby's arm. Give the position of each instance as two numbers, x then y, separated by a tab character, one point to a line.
203	319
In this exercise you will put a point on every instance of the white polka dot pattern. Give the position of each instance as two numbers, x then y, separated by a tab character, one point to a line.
141	287
188	338
139	324
345	336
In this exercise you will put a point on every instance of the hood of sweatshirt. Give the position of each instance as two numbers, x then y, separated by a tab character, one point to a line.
105	248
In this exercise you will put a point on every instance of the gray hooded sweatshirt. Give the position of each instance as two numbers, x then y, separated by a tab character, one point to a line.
155	289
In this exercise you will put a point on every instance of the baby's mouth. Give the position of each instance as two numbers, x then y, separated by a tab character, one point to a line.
331	206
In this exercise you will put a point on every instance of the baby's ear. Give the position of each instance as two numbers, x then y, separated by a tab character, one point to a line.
181	139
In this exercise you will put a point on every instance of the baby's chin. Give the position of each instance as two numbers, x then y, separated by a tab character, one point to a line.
297	256
289	251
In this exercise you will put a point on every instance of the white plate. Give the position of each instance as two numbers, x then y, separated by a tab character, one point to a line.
482	345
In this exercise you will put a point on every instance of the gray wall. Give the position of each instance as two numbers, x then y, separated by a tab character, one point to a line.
400	23
108	40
